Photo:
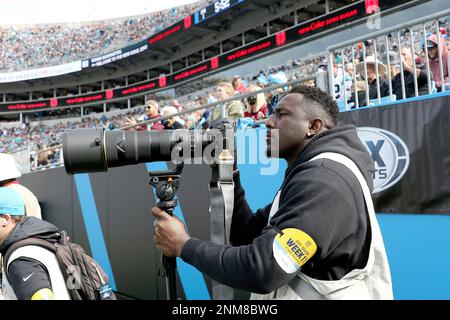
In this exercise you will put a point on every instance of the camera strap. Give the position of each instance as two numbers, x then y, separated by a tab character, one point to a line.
221	211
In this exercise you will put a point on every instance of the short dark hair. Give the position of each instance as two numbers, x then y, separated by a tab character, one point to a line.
5	182
321	98
16	219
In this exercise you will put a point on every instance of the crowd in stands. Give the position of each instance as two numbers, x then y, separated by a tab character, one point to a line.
413	53
25	47
39	136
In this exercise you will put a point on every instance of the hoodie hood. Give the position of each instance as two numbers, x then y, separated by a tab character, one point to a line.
434	63
433	38
343	140
28	228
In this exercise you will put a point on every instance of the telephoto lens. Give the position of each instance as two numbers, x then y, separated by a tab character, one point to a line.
96	150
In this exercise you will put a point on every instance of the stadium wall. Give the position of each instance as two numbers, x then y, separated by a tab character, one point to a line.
108	213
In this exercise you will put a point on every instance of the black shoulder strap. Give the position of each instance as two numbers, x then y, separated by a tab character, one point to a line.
22	243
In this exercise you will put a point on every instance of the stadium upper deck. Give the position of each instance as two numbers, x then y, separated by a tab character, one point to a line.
188	49
45	45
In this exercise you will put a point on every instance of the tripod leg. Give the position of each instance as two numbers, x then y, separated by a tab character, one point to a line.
170	266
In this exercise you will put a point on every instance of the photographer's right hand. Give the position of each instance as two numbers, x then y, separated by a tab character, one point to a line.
170	233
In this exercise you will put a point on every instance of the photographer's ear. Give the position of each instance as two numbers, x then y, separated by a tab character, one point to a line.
3	222
315	127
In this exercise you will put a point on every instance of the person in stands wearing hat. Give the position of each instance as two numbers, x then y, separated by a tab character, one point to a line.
32	272
8	178
171	123
372	82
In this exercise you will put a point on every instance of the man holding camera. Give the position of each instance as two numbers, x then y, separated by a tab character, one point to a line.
319	238
255	106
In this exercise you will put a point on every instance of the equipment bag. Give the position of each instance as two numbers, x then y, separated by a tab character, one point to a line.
85	279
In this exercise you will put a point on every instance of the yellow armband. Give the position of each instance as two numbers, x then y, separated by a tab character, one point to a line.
43	294
292	248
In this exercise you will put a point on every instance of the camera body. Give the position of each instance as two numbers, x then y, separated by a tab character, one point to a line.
252	100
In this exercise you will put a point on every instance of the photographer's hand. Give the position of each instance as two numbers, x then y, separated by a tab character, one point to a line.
170	233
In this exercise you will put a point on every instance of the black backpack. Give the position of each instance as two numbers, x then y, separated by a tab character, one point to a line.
85	279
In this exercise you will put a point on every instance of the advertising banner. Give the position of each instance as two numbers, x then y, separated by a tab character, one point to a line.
409	145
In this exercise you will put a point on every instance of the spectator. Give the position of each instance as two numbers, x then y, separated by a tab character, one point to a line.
32	272
372	80
256	106
151	111
394	64
233	109
238	85
408	75
203	123
278	78
193	120
211	98
43	158
177	105
171	123
273	97
359	53
261	80
8	178
433	57
342	81
349	69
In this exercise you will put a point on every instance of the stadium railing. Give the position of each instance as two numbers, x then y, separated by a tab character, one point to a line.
382	47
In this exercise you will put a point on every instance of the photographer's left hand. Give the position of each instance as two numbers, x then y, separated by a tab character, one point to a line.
170	233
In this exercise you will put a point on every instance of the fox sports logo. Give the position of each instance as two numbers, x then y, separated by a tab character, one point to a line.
389	154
